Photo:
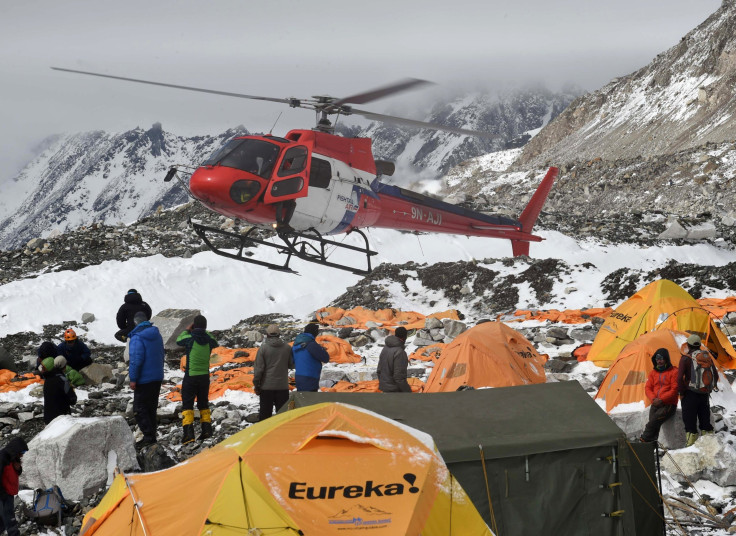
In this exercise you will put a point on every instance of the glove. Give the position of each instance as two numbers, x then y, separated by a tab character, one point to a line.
657	403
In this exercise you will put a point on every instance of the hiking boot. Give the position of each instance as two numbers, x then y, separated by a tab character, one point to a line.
206	431
691	438
706	432
188	436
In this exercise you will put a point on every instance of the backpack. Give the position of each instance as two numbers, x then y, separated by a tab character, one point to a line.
47	506
703	378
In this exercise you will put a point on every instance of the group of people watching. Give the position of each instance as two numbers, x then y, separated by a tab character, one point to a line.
691	382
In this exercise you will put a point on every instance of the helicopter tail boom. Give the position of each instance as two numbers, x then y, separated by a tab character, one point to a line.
530	214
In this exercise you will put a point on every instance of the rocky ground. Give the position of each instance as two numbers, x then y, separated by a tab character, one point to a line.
472	286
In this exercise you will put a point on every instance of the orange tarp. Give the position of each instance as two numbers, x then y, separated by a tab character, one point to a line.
490	354
389	318
237	379
369	386
624	383
429	353
10	381
339	349
718	307
568	316
222	355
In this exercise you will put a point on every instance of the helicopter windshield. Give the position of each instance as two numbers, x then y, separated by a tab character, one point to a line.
253	156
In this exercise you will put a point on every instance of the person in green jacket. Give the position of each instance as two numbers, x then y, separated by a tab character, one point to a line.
74	377
198	343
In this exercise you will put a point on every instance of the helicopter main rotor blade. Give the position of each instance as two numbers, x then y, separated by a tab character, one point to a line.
380	92
188	88
422	124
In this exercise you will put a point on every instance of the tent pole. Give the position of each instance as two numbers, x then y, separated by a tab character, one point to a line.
488	491
659	477
135	503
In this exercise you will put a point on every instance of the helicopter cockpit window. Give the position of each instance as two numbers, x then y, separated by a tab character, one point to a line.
254	156
320	173
295	160
287	186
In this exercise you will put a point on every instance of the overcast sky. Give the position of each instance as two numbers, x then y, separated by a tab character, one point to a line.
284	48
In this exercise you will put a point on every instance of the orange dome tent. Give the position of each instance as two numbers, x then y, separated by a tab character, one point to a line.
490	354
319	470
660	305
624	383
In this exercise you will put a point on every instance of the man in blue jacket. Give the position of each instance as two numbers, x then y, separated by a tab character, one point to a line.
146	371
308	359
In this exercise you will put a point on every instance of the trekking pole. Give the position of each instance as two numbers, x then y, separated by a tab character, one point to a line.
488	491
135	503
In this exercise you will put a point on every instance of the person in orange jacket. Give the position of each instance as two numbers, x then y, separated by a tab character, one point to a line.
661	389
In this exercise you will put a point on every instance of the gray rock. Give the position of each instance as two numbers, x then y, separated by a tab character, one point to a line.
171	322
7	361
97	373
360	340
586	334
371	324
24	416
432	323
345	321
674	231
703	231
333	375
557	333
453	328
87	318
79	454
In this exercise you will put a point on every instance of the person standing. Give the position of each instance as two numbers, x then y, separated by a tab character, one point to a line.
198	343
146	371
308	358
58	393
133	304
661	390
393	363
77	354
10	470
697	377
271	372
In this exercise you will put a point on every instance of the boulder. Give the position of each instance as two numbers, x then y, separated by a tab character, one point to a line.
97	373
432	323
87	318
79	455
453	328
674	231
671	435
703	231
7	361
171	322
712	457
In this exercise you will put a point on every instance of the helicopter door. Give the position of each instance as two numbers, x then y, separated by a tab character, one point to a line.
290	180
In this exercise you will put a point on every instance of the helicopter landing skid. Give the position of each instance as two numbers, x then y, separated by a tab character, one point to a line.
309	246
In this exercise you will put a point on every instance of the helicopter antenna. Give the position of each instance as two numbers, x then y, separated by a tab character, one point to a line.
274	123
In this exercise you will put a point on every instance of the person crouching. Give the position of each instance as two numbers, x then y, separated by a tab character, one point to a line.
661	390
58	394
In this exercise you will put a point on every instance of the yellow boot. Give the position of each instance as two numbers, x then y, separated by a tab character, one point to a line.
187	423
205	420
691	438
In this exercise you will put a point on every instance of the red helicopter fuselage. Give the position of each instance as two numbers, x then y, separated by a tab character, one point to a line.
331	184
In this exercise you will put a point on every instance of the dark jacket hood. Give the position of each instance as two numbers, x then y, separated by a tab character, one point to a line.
200	335
15	448
133	299
666	354
393	341
303	338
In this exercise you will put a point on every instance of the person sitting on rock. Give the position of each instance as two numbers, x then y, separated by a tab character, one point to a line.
58	393
661	390
133	303
198	343
77	354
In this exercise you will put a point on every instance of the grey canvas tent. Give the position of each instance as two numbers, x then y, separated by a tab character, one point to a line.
550	459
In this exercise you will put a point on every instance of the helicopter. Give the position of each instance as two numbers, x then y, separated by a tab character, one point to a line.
311	184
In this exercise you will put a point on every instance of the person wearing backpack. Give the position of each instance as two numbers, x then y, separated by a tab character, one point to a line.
58	394
308	358
697	377
198	343
10	471
661	390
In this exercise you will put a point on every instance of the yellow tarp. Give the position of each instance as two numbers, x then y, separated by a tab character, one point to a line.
328	469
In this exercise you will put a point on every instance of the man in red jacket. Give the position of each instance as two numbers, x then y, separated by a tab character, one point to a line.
661	389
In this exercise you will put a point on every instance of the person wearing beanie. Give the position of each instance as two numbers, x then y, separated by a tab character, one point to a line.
661	390
11	468
198	344
393	364
271	372
697	376
75	378
58	393
308	358
132	304
77	354
146	372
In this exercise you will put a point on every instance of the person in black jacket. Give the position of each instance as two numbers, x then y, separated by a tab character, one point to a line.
58	394
393	364
77	354
133	304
